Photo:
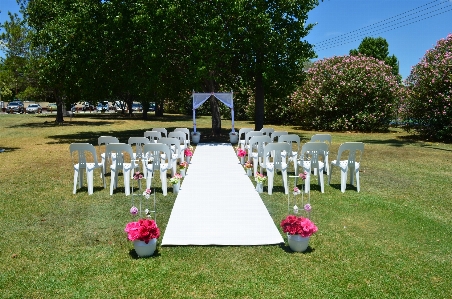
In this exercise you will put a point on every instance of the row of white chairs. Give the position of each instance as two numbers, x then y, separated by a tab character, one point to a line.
312	157
135	151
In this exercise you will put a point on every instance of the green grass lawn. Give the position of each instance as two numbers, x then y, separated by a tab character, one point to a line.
391	240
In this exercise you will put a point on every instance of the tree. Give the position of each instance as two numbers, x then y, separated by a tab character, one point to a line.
428	106
346	93
14	42
377	48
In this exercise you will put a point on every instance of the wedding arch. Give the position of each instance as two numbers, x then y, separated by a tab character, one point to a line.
224	97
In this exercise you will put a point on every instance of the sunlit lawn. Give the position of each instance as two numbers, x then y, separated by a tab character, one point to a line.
391	240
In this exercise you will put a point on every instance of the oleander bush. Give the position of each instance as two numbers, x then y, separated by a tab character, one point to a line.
347	93
427	109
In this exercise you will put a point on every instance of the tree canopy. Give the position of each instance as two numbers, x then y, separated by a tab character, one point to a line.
162	50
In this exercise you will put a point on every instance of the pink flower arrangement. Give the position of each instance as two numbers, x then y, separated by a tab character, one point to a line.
176	179
249	164
260	178
138	175
142	230
188	152
303	175
241	153
183	165
294	225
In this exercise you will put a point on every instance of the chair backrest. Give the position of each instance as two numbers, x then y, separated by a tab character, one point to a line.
291	139
244	131
179	135
171	142
156	151
161	130
81	149
258	143
153	136
275	135
312	151
276	149
267	131
355	151
321	138
120	151
104	140
138	142
186	131
250	134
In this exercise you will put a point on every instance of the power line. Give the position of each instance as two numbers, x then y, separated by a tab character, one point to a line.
378	27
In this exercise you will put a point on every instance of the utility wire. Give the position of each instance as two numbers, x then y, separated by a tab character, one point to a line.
375	29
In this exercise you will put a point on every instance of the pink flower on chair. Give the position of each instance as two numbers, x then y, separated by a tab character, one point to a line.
303	175
241	153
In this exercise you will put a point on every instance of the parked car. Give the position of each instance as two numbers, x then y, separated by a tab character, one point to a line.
52	107
151	106
87	106
137	107
34	108
15	106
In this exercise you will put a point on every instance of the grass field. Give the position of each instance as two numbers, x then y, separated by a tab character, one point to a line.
391	240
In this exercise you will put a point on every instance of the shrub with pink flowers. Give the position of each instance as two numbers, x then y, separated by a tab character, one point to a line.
347	93
143	230
298	226
428	107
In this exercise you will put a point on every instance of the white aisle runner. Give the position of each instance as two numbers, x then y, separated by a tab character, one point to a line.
218	205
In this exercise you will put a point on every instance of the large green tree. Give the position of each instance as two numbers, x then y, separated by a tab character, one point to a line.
378	48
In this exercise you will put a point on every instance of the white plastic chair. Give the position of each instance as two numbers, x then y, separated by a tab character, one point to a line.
153	136
292	139
138	143
248	136
161	130
355	151
267	131
80	163
123	153
102	141
257	144
327	139
312	155
174	145
155	152
276	162
187	134
183	141
275	135
243	132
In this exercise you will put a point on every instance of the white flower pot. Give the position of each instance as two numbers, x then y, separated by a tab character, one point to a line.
298	243
182	172
187	158
142	249
248	172
176	188
260	187
242	160
195	138
233	138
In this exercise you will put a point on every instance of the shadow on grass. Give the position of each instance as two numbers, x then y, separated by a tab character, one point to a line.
287	249
133	254
7	149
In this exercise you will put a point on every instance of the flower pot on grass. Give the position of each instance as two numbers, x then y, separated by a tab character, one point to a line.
142	249
233	137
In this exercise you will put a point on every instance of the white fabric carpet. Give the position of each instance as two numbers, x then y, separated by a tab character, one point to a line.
217	204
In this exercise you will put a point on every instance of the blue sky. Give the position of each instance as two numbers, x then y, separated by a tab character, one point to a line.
430	21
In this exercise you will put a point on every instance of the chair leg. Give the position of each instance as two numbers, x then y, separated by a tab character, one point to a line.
126	175
90	180
284	176
357	179
343	179
75	180
112	180
255	163
307	181
270	176
164	182
149	179
320	180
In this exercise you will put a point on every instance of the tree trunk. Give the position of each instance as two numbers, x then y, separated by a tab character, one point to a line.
216	116
59	101
259	100
159	108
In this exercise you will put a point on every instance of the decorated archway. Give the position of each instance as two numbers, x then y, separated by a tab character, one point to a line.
224	97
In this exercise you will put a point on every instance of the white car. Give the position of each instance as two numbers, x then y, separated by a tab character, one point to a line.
34	108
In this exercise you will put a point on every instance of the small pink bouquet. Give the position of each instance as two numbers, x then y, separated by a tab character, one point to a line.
260	178
176	179
188	152
248	164
294	225
183	165
241	153
142	230
138	175
303	175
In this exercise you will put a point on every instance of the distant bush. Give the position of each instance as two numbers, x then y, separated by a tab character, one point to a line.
427	108
344	93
